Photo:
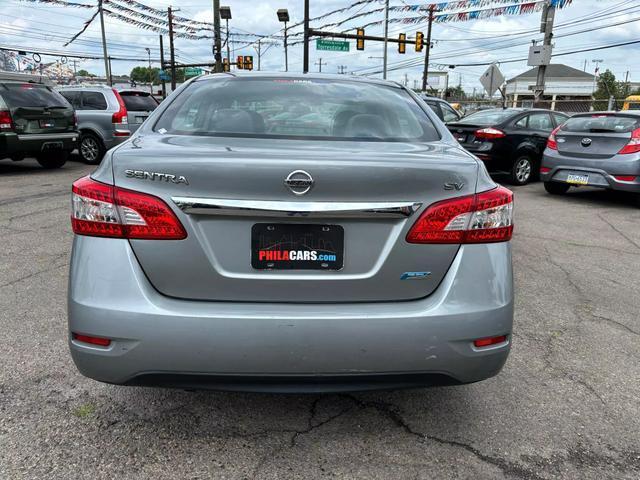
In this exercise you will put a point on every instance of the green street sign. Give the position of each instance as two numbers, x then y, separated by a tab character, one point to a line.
332	45
192	71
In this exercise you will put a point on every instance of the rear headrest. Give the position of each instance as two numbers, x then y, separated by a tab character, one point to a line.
366	125
236	121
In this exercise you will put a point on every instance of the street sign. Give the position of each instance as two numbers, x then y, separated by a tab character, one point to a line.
332	45
192	71
164	75
492	79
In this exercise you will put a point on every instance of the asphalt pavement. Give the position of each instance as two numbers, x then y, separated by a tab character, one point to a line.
566	405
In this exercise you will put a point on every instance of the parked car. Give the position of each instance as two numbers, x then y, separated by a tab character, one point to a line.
508	140
632	102
35	121
229	250
106	116
443	109
596	149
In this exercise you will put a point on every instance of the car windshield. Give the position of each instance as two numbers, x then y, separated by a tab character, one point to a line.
486	117
297	108
139	101
18	95
601	123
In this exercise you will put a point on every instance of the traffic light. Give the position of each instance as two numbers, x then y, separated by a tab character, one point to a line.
402	47
360	39
240	62
248	62
419	41
225	65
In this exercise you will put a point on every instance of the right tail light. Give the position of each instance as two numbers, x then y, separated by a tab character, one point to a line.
121	117
552	143
101	210
634	144
485	217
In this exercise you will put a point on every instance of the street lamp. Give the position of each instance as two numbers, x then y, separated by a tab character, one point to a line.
225	14
150	75
283	16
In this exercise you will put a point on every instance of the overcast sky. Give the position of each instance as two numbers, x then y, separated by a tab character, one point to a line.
33	26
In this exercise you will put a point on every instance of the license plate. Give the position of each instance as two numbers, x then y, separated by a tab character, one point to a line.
282	246
47	124
578	179
49	146
140	119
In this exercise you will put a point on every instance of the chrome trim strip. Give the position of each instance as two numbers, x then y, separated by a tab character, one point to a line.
276	208
47	136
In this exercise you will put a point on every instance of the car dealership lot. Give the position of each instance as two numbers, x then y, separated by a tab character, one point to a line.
565	406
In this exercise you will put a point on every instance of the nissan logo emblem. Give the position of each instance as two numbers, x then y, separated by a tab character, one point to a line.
299	182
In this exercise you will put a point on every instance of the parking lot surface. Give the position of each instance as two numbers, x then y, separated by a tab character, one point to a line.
567	404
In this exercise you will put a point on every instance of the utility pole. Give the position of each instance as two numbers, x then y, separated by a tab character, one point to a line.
283	16
216	36
107	70
386	35
546	23
305	55
164	85
150	75
432	9
75	63
342	69
172	53
320	63
406	79
259	50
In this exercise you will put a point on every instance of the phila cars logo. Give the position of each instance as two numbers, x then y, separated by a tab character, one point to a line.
295	255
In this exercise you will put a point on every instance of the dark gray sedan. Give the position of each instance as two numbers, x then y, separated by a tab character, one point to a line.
286	233
600	149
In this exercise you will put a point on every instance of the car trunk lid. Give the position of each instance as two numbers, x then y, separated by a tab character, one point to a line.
35	108
139	106
371	193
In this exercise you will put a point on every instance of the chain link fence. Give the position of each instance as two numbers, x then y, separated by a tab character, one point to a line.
569	106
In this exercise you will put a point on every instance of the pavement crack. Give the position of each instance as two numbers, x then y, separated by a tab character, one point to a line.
34	274
615	322
620	232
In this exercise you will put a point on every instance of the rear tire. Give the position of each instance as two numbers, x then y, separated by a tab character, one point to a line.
522	170
91	148
556	188
53	160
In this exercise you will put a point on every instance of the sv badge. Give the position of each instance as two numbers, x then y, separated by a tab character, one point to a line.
453	185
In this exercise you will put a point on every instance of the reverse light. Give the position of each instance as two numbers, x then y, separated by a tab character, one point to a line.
634	143
489	133
487	342
100	341
6	122
101	210
552	143
485	217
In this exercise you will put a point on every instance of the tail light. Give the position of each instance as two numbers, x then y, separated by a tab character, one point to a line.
100	341
120	118
100	210
487	342
545	169
625	178
634	144
481	218
552	143
489	133
6	122
75	120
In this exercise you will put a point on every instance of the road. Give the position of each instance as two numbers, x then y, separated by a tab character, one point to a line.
567	404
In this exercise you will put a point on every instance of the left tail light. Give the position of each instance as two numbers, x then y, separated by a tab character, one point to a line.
552	143
6	122
489	133
101	210
485	217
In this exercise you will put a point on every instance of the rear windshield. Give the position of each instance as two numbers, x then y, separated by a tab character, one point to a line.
486	117
297	109
601	123
634	106
139	101
18	95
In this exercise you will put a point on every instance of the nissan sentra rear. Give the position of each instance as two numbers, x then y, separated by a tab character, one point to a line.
290	233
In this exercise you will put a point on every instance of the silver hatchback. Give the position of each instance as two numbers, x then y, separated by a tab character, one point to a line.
290	233
106	116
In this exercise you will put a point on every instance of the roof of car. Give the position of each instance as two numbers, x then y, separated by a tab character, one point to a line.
635	113
301	76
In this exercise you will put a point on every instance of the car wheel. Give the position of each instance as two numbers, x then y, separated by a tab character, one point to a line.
556	188
53	160
91	148
522	170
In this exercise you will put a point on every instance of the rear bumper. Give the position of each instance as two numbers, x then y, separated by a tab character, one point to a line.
601	172
287	347
32	144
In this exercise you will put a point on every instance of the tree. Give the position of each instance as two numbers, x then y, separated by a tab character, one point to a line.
456	93
84	73
607	86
